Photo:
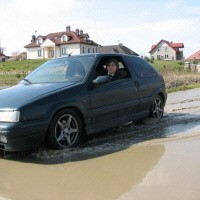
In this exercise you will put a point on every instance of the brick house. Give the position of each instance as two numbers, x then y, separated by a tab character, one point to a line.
165	50
60	44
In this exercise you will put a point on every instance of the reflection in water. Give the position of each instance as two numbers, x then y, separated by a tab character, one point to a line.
105	177
175	177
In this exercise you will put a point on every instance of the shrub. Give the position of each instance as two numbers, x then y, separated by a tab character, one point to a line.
146	58
18	76
180	63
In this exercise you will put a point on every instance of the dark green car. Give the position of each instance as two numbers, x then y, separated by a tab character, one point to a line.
69	97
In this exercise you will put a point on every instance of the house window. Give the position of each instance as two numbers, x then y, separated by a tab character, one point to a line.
88	50
166	56
158	49
93	50
64	51
83	50
166	49
39	53
39	41
64	38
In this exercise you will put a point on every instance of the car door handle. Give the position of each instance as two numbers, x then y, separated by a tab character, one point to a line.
137	84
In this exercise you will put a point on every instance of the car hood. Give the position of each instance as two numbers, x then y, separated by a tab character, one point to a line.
21	94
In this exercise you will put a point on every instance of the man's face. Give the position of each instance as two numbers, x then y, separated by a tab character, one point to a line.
112	68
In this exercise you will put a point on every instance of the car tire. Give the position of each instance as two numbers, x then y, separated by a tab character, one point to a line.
65	129
157	107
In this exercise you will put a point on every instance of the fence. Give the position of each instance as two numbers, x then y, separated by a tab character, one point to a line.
192	67
14	72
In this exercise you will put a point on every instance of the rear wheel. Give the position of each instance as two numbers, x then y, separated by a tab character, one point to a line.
65	129
157	107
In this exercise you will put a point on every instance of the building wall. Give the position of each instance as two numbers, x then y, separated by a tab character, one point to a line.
85	48
164	52
60	51
74	49
32	53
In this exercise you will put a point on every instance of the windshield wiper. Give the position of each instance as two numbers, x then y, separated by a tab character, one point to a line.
27	80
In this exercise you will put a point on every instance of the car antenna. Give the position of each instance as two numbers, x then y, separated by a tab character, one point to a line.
70	54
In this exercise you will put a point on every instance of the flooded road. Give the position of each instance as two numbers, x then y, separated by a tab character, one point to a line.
151	159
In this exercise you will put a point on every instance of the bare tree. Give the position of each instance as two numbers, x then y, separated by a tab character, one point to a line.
2	49
15	54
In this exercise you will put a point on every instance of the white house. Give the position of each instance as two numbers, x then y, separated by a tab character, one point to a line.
60	44
165	50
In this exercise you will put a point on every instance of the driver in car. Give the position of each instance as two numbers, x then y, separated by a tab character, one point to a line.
114	72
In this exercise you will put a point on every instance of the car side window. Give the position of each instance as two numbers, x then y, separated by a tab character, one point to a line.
141	68
102	70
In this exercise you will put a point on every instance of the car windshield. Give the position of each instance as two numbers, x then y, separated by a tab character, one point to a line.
68	69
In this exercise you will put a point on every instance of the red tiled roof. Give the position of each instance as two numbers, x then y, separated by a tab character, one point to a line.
32	44
171	44
177	45
56	38
194	56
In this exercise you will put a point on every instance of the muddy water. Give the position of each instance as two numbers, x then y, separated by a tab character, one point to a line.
175	177
151	159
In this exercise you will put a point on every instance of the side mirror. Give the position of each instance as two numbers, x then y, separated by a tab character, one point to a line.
100	80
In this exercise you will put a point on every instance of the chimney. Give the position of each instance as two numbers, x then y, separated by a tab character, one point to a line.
81	31
77	31
67	28
33	38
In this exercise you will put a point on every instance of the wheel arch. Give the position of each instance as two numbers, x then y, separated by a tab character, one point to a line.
162	95
75	109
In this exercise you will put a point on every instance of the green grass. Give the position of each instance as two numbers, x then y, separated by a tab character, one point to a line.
19	68
169	65
10	79
24	65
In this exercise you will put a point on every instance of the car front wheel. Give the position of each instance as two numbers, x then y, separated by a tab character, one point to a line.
157	108
65	129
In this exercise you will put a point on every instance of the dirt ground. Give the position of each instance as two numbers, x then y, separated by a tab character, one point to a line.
148	160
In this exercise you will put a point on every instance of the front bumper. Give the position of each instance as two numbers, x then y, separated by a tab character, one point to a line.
23	135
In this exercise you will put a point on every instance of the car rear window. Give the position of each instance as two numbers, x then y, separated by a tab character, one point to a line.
141	68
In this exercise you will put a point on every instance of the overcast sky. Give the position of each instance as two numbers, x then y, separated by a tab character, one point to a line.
135	24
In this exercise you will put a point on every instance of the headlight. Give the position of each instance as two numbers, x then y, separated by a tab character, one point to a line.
9	116
3	139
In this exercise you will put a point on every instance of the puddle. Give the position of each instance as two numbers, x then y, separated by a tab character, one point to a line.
150	159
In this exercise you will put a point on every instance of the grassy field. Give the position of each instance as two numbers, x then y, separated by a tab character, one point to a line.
14	71
23	65
175	76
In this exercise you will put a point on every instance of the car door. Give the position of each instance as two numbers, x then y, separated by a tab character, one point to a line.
113	103
147	81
